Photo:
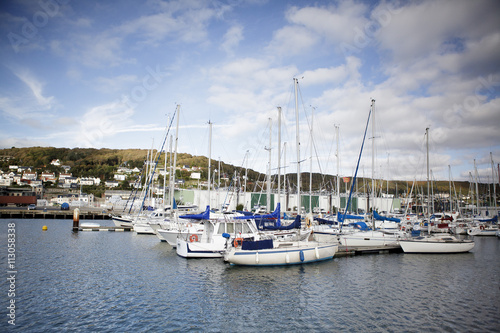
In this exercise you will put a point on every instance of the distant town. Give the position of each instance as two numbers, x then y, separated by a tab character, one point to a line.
106	178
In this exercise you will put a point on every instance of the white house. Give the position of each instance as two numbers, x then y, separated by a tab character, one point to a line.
111	183
120	177
48	177
87	181
29	176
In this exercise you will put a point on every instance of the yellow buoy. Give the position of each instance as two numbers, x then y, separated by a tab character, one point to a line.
44	228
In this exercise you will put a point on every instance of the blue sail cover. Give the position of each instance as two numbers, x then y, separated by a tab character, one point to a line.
360	225
273	215
379	217
203	216
341	217
297	224
326	221
493	220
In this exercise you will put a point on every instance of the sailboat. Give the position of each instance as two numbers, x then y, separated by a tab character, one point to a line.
266	250
368	237
435	243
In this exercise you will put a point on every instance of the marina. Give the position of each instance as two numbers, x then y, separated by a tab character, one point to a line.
107	281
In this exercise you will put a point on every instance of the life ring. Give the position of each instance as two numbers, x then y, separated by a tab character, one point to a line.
237	242
193	238
481	227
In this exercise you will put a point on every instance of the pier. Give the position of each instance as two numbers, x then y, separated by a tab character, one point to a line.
102	228
23	213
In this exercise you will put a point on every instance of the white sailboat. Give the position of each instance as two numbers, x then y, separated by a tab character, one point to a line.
266	250
372	237
435	243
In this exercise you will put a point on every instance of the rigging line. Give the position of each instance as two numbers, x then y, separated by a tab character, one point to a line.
356	172
163	144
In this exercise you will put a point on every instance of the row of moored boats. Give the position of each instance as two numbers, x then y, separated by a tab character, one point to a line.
243	238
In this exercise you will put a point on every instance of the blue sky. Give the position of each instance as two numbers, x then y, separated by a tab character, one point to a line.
110	74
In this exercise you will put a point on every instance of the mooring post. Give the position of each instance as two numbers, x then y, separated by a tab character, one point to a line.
76	219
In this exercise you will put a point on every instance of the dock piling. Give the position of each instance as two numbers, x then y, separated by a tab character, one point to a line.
76	219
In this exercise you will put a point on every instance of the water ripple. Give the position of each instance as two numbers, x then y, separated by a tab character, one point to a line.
108	282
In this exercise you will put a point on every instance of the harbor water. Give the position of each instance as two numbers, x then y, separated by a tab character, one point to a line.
102	281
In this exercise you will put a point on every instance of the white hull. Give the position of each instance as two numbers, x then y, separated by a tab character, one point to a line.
431	244
122	221
369	238
144	229
293	254
482	232
188	249
170	236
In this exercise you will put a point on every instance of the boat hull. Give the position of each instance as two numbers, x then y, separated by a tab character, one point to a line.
170	236
430	246
482	232
122	221
187	249
281	256
369	239
144	229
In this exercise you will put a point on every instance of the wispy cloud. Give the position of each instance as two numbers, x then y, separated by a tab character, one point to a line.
36	88
231	39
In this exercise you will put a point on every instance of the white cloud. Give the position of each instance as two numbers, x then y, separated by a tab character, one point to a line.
103	121
36	88
232	38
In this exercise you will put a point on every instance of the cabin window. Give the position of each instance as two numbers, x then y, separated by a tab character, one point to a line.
221	229
230	228
246	228
237	228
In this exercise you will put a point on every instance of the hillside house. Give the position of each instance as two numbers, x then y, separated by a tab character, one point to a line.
48	177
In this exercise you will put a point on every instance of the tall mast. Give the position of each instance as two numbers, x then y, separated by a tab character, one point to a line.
209	160
172	185
218	187
428	191
299	202
165	176
279	154
338	166
284	177
246	171
311	163
373	162
268	196
476	176
449	175
494	183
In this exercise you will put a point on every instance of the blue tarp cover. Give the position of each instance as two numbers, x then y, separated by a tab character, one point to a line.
340	217
360	225
494	220
297	224
325	221
203	216
257	245
384	218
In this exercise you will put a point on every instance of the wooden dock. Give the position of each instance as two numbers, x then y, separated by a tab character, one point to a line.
102	228
51	214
